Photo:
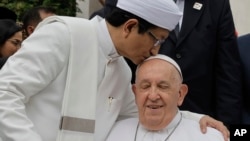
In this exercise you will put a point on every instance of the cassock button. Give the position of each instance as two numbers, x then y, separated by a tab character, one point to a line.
178	55
110	60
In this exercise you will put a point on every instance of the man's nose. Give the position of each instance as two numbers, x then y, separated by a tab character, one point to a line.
153	94
154	51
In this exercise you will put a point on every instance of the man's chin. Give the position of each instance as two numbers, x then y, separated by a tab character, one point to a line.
138	61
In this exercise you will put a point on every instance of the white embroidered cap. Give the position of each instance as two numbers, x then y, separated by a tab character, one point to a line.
167	59
162	13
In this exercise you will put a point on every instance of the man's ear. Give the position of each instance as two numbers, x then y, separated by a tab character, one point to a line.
129	25
182	93
30	29
134	89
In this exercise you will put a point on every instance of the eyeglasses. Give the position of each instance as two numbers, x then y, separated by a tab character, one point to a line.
16	43
158	42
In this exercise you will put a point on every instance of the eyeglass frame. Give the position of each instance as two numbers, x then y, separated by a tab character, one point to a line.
158	42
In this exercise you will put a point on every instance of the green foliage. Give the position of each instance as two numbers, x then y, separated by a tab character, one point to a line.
63	7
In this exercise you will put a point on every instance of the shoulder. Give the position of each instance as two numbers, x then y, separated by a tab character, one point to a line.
64	19
217	7
68	26
244	40
193	128
218	2
123	130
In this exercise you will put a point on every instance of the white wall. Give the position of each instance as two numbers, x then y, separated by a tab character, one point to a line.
241	15
87	7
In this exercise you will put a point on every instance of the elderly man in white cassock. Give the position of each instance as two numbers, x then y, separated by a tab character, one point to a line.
158	92
69	81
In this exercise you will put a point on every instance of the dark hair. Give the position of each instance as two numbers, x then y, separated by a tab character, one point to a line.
109	6
7	29
33	15
7	14
118	17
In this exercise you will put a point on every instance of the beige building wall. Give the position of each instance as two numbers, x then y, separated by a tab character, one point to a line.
241	14
239	8
87	7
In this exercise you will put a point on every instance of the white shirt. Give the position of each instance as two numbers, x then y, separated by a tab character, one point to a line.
187	130
180	4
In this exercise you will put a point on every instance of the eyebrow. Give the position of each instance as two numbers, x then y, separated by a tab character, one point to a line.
148	81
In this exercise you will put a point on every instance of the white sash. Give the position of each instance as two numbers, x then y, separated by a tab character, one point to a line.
79	103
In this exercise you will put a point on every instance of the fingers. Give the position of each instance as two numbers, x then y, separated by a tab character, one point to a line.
219	126
223	129
226	135
207	121
203	125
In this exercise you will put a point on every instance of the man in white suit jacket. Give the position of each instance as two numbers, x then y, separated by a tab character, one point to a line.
69	81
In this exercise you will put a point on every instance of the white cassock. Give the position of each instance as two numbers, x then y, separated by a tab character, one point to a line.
32	91
187	130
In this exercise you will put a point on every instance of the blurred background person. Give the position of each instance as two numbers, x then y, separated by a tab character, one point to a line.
7	14
10	39
10	34
34	16
204	44
244	48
